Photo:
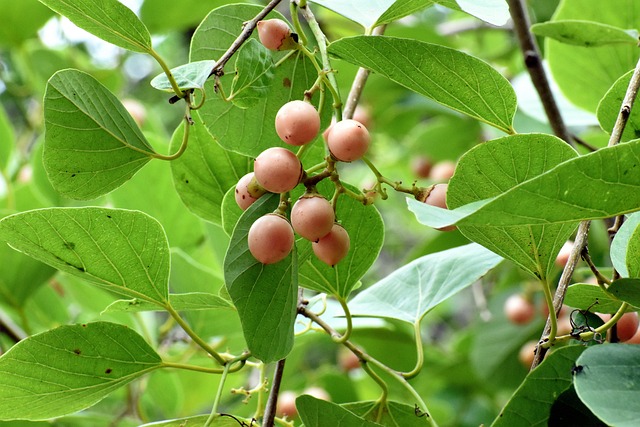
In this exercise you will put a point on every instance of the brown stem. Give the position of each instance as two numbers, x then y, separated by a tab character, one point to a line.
272	402
358	83
533	62
625	108
247	29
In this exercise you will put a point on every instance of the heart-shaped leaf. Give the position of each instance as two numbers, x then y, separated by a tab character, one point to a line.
108	19
413	290
70	368
92	144
448	76
120	250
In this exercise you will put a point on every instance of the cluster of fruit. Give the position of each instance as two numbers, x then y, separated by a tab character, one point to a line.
279	170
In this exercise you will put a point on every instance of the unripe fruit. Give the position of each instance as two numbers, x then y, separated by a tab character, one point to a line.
287	404
564	254
438	197
270	238
333	247
312	217
348	140
519	310
297	122
278	170
247	191
527	353
421	166
443	171
275	34
627	326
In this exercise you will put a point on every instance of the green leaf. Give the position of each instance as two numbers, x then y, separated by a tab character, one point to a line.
495	12
627	290
254	73
123	251
394	414
584	295
413	290
265	295
569	411
291	79
531	404
92	144
184	14
20	276
7	140
605	63
200	421
26	18
448	76
320	413
109	20
610	105
400	9
366	234
488	170
180	302
621	244
205	172
70	368
365	13
584	33
609	382
230	211
187	76
562	195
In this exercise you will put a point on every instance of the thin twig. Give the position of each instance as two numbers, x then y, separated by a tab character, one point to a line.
533	62
584	143
625	108
270	410
358	83
13	331
247	29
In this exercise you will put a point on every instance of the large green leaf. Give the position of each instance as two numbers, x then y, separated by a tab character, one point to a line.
26	18
184	14
625	239
180	302
70	368
605	64
253	76
366	234
92	144
123	251
584	33
205	172
610	105
448	76
393	414
627	290
489	170
531	404
108	19
413	290
584	295
609	382
266	296
400	9
290	80
562	195
20	276
320	413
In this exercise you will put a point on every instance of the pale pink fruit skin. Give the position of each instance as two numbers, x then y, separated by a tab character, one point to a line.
627	326
297	123
270	239
272	33
348	140
519	310
333	247
244	199
287	404
442	171
438	198
312	217
563	255
278	170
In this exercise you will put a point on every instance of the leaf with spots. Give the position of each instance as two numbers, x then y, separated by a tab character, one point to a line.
92	144
70	368
120	250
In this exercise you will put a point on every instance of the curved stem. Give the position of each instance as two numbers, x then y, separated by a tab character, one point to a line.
293	9
553	318
587	336
375	377
347	315
419	352
216	402
174	85
185	139
195	337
